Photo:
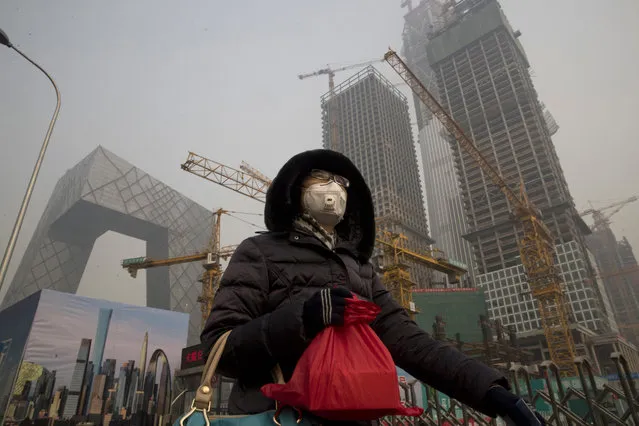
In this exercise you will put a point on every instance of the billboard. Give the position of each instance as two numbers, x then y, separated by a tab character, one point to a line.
94	360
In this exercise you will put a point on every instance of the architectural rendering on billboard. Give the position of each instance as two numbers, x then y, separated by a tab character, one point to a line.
104	193
96	360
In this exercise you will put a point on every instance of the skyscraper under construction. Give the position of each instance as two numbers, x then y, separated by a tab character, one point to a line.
481	74
366	118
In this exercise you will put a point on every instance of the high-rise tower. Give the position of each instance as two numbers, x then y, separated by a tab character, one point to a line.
143	354
78	379
374	131
101	333
481	73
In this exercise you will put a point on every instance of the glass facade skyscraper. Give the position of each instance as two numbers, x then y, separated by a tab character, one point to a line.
104	319
77	380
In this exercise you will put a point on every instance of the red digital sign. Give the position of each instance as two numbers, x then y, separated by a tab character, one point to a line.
192	356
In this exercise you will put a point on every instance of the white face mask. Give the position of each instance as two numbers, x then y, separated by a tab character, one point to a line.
326	202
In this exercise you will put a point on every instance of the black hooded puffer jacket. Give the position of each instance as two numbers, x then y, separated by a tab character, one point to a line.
263	289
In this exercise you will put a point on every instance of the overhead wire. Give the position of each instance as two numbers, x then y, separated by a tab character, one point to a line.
246	221
246	213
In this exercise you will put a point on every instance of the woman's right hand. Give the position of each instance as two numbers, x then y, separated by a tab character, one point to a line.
324	308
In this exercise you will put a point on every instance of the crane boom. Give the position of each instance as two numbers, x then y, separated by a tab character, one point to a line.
330	71
451	125
236	180
433	261
602	220
536	248
136	263
246	167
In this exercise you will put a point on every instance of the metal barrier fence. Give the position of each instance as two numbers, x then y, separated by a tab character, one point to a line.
585	404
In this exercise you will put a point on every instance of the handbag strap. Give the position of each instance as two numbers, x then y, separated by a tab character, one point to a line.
204	392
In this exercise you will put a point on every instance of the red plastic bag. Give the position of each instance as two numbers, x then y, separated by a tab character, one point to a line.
346	373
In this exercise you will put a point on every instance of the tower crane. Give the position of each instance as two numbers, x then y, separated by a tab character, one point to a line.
536	248
229	177
212	267
332	109
396	277
601	220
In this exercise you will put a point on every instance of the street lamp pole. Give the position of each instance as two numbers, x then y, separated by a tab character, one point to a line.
4	266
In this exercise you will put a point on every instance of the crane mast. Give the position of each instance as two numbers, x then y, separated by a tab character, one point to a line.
246	167
536	248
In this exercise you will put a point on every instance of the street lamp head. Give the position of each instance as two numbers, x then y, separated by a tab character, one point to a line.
4	38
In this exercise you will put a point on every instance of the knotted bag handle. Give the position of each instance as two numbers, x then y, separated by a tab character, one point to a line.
204	393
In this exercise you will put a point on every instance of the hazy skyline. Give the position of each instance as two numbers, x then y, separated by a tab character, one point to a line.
152	80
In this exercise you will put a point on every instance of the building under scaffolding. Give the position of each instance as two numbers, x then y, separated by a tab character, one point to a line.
374	131
482	76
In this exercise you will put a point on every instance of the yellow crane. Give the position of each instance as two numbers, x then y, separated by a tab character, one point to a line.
132	265
601	220
212	267
395	277
247	183
332	108
537	248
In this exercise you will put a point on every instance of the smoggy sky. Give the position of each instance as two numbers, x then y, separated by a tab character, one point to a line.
151	80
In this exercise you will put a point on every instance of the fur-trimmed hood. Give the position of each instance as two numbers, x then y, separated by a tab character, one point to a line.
356	231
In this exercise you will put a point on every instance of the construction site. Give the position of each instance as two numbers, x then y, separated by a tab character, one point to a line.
490	254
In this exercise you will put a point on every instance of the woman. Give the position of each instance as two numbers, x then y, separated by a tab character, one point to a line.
284	286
